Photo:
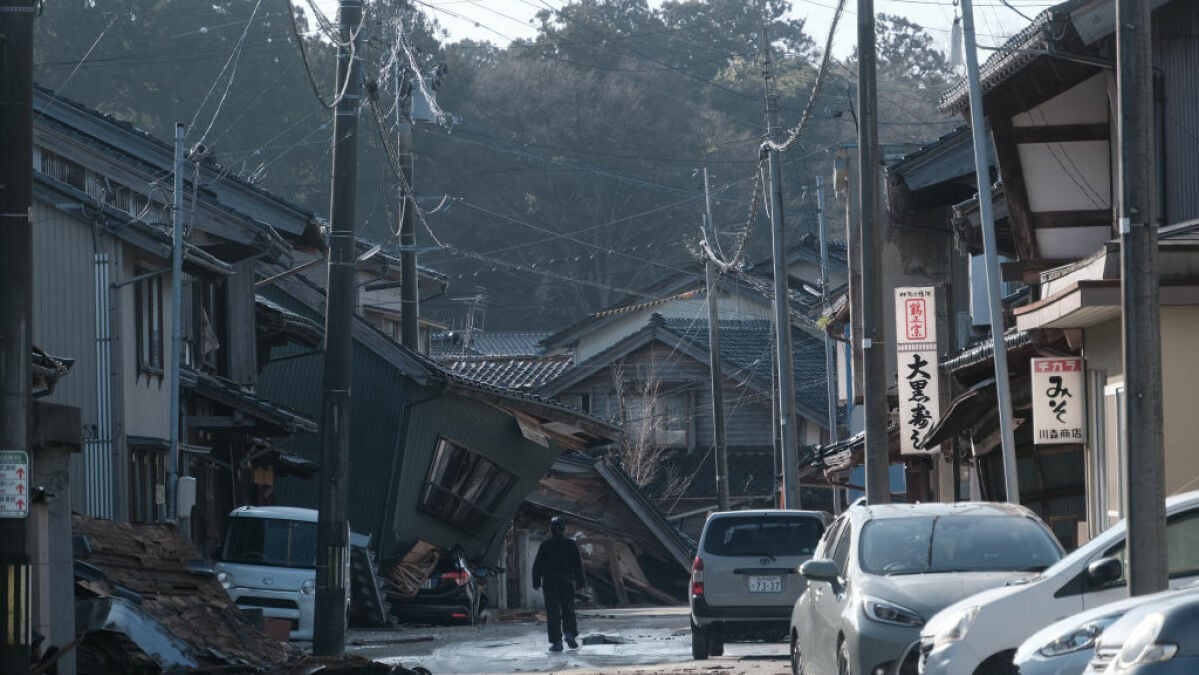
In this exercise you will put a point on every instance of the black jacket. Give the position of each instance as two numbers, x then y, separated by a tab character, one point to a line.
558	558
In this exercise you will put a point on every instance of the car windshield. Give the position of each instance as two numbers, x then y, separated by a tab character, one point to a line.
270	541
934	544
763	536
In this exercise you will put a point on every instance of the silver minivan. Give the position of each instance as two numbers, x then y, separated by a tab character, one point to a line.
744	579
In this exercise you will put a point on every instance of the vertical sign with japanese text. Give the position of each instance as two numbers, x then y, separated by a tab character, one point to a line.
1058	400
14	484
916	361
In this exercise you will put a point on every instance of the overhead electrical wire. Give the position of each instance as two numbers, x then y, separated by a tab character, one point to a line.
234	59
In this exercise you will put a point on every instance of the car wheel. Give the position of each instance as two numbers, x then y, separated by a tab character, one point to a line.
998	664
699	643
796	656
843	659
715	644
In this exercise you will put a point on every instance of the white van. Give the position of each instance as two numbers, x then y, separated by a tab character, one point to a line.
267	561
979	635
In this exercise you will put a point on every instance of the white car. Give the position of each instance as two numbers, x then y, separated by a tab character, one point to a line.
267	561
979	635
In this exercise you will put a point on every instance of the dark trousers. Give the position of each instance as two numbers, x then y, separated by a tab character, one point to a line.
560	608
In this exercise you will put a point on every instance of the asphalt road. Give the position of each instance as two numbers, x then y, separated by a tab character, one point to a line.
626	641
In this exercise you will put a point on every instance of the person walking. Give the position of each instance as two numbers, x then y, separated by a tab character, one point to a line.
559	568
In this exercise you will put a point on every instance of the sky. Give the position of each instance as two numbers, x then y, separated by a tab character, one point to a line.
501	21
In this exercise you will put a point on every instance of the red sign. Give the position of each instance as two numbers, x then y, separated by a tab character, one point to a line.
915	319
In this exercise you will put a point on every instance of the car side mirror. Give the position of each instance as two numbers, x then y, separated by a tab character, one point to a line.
1104	571
821	570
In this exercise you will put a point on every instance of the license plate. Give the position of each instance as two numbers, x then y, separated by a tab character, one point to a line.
772	584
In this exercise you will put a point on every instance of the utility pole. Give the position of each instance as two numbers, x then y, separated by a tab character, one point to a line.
16	319
874	356
332	535
409	293
978	126
785	376
717	380
176	324
1139	220
830	362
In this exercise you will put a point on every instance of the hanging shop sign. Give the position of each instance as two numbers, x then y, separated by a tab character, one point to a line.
1058	400
916	361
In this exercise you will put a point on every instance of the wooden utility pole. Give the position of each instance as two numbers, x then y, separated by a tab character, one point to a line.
16	321
874	355
333	532
784	365
1139	218
978	126
717	379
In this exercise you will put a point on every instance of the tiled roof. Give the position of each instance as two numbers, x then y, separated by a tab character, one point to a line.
521	373
160	568
484	343
747	345
1017	52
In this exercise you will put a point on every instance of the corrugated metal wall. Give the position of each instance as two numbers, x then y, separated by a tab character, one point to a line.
68	261
1176	52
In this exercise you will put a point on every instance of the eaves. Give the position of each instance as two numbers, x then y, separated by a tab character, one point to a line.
139	234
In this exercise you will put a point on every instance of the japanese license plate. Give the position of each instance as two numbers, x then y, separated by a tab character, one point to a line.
771	584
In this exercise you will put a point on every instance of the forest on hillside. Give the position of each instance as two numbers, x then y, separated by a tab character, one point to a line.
566	173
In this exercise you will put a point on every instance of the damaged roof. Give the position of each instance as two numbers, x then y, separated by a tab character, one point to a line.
241	400
152	568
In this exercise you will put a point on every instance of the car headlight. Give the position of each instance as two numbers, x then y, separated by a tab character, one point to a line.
957	627
889	612
308	587
1142	646
1084	637
225	579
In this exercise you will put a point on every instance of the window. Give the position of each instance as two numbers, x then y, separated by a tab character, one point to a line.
270	541
763	536
841	549
464	488
941	544
1182	548
148	309
63	170
660	421
147	482
578	400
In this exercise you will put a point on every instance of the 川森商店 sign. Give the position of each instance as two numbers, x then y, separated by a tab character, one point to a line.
1058	400
916	361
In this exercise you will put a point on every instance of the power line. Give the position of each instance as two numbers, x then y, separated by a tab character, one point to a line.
234	58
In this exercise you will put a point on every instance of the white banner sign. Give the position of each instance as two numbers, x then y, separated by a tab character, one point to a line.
916	361
1058	400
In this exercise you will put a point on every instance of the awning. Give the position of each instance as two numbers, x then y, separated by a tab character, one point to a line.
1090	302
248	403
974	410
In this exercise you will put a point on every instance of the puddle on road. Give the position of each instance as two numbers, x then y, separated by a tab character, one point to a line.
529	654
